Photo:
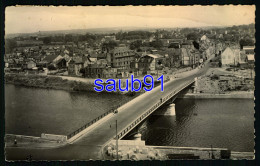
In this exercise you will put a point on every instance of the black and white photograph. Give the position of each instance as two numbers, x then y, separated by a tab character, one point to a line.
129	82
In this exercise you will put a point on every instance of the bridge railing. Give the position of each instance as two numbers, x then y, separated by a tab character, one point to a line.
148	112
91	122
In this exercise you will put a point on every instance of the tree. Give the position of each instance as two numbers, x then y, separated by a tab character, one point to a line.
110	44
246	42
219	64
196	45
136	45
47	40
156	44
10	44
68	38
192	36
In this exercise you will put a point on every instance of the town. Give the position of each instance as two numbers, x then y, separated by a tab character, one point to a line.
124	53
129	82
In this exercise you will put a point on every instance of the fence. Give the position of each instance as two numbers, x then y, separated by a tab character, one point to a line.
126	130
91	122
151	110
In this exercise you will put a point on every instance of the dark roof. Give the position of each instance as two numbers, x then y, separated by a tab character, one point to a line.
97	65
78	59
93	55
58	61
50	58
103	56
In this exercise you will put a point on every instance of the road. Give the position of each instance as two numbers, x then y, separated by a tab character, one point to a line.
89	145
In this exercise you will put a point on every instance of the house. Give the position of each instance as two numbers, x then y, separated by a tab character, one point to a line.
205	38
86	61
95	71
67	59
185	57
249	49
31	65
250	58
107	38
150	63
173	57
110	72
52	59
93	57
122	57
190	57
60	64
101	56
74	67
230	57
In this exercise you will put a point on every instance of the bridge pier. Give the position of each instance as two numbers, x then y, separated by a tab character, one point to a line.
137	137
169	112
196	85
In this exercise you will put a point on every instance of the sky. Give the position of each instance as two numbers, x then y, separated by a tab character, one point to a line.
27	19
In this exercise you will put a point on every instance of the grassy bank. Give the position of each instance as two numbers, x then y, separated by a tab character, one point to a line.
47	82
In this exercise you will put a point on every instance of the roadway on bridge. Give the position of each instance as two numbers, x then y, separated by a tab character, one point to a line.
89	145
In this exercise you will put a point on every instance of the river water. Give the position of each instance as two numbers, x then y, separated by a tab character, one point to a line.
223	123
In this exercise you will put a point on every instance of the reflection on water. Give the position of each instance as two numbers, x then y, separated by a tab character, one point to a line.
223	123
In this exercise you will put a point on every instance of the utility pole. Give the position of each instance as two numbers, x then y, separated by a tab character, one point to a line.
116	142
212	155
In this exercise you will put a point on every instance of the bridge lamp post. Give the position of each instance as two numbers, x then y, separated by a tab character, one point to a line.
159	65
116	142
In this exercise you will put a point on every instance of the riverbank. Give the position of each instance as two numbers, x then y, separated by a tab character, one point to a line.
69	83
137	150
47	82
63	83
230	95
23	141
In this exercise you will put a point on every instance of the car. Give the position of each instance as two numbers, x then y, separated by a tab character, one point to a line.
115	111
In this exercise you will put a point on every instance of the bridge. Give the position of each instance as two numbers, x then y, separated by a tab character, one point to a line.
89	144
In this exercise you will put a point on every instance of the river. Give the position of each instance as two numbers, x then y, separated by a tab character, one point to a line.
223	123
32	111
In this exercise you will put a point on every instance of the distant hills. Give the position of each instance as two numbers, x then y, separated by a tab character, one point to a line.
82	31
98	31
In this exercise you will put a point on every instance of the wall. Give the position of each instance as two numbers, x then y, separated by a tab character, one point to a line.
128	142
54	137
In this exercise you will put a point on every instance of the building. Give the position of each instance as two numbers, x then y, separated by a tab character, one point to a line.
74	67
52	59
95	71
150	63
230	57
122	57
31	65
107	38
190	57
250	59
60	64
249	49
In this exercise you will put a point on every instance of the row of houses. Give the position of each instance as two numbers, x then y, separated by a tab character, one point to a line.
80	60
236	56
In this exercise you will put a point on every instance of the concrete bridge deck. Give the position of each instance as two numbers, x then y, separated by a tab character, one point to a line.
89	146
